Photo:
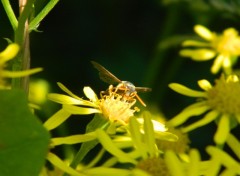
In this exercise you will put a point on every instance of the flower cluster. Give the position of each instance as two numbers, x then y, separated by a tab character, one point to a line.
136	145
139	145
218	102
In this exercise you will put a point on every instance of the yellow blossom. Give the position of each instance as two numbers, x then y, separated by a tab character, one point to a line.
9	53
112	106
225	48
180	146
116	109
194	166
62	166
141	137
219	102
220	159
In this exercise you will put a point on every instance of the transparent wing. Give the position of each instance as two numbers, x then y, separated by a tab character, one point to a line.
143	89
105	75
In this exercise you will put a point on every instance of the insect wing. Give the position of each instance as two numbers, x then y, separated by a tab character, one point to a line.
143	89
105	75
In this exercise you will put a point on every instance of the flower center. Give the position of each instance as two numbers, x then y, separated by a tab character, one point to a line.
228	43
179	146
224	96
115	108
154	166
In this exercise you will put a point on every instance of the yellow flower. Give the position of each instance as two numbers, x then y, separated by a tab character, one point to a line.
62	166
180	146
145	159
116	109
112	106
225	48
219	102
9	53
220	159
141	137
176	167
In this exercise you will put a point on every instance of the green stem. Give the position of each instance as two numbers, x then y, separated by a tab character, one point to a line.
9	11
35	22
21	30
22	62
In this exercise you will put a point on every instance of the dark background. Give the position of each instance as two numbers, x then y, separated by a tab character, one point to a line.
137	40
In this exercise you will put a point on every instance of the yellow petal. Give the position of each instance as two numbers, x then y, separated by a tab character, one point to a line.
192	110
65	89
209	117
186	91
238	118
166	136
231	32
56	161
148	136
226	160
204	32
232	78
107	143
80	110
234	144
64	99
217	64
227	65
174	166
232	171
204	84
214	166
9	53
74	139
90	94
222	130
104	171
194	163
15	74
195	43
135	131
56	119
139	172
198	54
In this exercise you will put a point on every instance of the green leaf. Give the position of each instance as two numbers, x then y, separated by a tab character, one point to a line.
97	122
23	140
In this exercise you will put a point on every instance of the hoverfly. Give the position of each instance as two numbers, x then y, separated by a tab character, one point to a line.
125	88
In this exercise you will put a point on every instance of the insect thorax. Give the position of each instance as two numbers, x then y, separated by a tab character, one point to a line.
128	86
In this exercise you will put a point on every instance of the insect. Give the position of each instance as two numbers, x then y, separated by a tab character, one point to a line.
125	88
